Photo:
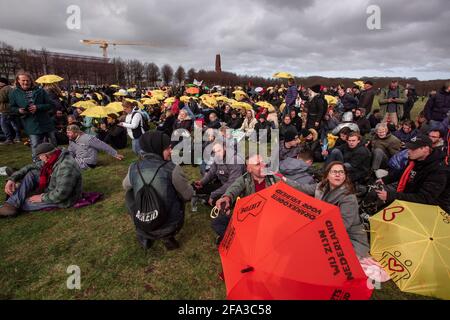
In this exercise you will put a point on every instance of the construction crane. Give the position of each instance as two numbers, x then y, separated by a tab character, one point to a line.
104	44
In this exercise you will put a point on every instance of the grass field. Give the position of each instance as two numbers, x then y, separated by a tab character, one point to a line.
37	248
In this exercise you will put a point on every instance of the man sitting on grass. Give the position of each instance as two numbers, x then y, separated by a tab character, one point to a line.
52	182
84	148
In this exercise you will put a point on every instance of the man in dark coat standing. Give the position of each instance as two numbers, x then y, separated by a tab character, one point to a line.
317	108
367	96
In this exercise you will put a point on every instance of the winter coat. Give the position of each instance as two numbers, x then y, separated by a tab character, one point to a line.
296	170
317	108
4	100
225	173
235	123
349	102
171	184
64	188
366	99
349	208
363	125
437	106
405	137
427	180
390	144
39	122
383	102
359	159
291	95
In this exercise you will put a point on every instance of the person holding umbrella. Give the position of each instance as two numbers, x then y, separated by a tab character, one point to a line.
254	180
336	188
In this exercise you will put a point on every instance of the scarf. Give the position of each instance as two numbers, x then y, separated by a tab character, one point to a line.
47	170
405	177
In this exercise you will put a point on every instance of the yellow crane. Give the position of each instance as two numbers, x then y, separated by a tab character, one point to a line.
104	44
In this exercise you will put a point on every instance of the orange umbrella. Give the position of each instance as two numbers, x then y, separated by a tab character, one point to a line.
282	244
193	90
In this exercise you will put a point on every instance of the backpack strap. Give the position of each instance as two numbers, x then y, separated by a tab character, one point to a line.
154	176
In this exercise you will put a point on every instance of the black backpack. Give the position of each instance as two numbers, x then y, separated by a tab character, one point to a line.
150	211
137	133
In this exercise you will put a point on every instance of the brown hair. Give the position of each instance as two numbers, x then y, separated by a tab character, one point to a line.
127	104
355	134
24	73
347	183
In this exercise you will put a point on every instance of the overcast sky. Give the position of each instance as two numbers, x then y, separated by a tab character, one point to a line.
258	37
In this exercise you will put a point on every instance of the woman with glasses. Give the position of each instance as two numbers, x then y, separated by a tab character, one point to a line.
337	189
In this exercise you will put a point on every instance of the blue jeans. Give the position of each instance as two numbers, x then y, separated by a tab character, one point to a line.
27	188
334	155
9	127
37	139
136	146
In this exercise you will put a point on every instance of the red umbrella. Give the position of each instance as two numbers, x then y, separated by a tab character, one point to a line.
193	90
282	244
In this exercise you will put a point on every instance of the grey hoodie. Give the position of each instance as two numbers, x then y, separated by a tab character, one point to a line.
296	170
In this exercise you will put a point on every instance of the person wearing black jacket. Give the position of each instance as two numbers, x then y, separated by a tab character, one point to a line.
362	122
367	96
356	157
263	124
287	126
296	120
235	121
214	122
166	125
317	108
348	101
113	134
423	180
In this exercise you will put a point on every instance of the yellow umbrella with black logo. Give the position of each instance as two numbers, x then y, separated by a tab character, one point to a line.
412	243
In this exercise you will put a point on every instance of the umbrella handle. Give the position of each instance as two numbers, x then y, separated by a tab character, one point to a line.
214	213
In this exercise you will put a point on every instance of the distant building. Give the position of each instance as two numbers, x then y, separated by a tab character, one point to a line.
218	63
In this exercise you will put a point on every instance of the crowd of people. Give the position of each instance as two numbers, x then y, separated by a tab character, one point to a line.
334	143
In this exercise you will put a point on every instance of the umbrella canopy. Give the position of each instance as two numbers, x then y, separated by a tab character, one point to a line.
170	100
359	83
132	90
412	243
114	86
264	104
185	99
331	100
222	98
208	101
121	93
193	90
241	105
150	101
258	90
140	105
283	75
85	104
96	112
282	244
115	107
98	95
48	79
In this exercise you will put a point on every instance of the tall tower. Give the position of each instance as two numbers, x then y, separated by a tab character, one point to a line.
218	63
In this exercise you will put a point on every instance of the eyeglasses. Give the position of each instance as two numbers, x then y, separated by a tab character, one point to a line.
337	172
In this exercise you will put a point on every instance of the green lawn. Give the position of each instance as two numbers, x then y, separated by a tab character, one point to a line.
37	248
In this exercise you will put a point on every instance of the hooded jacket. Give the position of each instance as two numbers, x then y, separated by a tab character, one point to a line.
437	106
296	170
390	144
359	159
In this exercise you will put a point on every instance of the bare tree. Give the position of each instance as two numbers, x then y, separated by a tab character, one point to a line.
45	58
152	73
191	75
180	75
167	74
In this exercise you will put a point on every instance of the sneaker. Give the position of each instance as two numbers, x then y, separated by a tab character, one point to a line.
171	243
8	210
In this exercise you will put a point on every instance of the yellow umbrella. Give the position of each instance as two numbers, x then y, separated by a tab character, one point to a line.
132	90
78	95
150	101
282	106
283	75
96	112
359	83
84	104
209	101
49	78
240	92
120	93
115	106
331	100
184	99
222	98
114	86
170	100
264	104
242	105
216	94
98	95
412	243
140	105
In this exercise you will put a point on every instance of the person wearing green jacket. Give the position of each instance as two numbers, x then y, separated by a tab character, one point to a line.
53	182
391	102
33	104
